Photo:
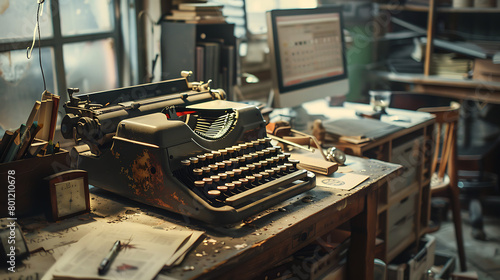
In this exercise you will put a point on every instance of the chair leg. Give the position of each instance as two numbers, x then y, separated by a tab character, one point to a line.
457	221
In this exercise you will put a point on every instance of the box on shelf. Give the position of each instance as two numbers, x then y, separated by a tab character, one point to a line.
26	182
408	266
485	70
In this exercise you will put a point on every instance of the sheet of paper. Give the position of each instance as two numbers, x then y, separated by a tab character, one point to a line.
32	268
178	256
53	236
144	252
343	181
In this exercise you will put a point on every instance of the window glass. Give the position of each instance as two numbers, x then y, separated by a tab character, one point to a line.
21	84
85	16
256	11
18	19
91	66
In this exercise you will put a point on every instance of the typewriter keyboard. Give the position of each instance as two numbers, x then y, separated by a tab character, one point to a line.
240	174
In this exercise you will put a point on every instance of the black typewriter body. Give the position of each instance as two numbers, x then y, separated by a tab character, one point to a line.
207	159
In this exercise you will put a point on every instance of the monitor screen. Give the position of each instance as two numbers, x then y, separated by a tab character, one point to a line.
307	55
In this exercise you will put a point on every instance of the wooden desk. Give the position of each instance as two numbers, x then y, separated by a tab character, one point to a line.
246	251
411	147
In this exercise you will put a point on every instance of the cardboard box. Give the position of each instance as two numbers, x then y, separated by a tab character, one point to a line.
413	267
485	70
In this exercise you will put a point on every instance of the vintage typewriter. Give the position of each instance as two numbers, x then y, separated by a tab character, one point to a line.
180	146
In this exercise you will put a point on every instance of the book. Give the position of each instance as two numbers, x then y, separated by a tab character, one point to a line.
228	69
53	117
31	129
44	117
28	139
33	113
217	20
211	63
194	13
197	19
200	61
200	6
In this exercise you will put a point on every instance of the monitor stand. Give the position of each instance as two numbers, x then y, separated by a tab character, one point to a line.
298	117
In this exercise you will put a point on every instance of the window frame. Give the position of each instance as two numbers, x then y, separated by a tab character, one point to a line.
58	41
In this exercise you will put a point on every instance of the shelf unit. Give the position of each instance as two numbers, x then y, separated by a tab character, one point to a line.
181	44
408	193
431	11
418	8
476	90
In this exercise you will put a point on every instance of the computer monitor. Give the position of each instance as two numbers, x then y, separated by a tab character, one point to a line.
307	51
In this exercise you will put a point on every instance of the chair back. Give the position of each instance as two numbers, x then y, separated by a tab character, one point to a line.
445	145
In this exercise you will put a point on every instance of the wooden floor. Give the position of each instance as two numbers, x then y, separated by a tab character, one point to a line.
483	257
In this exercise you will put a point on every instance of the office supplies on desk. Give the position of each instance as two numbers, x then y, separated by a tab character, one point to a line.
143	252
203	157
110	257
358	130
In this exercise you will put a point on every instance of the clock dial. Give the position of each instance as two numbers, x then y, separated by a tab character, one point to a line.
70	197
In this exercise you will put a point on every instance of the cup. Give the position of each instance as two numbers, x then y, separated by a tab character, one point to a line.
379	100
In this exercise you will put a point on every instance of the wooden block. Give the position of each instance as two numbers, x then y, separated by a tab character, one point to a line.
469	275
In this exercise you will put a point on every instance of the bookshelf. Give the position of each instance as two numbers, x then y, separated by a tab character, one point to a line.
432	9
430	83
209	50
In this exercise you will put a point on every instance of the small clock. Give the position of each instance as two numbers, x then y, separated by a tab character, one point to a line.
68	194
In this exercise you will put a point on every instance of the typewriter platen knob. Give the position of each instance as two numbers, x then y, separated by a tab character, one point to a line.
219	94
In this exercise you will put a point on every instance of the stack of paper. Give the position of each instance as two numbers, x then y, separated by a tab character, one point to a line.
144	252
358	130
449	65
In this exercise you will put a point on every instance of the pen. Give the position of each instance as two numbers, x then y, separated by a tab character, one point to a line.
106	262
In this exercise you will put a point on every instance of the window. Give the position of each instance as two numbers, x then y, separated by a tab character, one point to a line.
256	11
80	47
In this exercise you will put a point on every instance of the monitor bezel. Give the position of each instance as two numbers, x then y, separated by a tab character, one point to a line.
281	91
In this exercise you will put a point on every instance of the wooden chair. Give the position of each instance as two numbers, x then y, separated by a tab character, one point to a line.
444	181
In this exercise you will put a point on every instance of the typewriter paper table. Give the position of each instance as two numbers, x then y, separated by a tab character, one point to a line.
246	251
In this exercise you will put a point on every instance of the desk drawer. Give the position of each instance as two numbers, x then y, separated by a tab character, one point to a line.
401	221
404	207
411	266
409	155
